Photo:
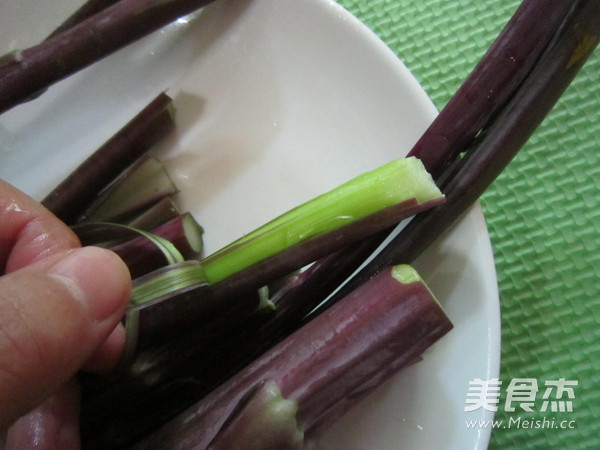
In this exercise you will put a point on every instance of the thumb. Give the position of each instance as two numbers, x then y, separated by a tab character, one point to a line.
53	315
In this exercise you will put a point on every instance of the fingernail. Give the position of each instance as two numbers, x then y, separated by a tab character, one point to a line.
97	278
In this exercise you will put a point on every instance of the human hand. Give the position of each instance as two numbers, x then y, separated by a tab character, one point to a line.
60	308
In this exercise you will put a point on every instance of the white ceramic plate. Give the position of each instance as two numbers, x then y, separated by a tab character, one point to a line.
277	102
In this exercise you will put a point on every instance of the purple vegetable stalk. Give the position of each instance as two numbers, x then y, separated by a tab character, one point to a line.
73	195
316	374
88	9
492	82
26	72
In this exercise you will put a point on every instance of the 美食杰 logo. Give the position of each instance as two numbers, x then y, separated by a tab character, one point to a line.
523	396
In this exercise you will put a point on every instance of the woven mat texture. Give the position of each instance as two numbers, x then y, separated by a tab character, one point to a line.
542	212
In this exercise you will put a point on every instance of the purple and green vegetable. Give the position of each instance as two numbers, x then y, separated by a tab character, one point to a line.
276	335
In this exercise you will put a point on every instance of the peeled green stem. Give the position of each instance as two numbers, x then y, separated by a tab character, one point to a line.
400	189
396	182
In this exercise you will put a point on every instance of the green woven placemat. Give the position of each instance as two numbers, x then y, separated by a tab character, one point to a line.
542	212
